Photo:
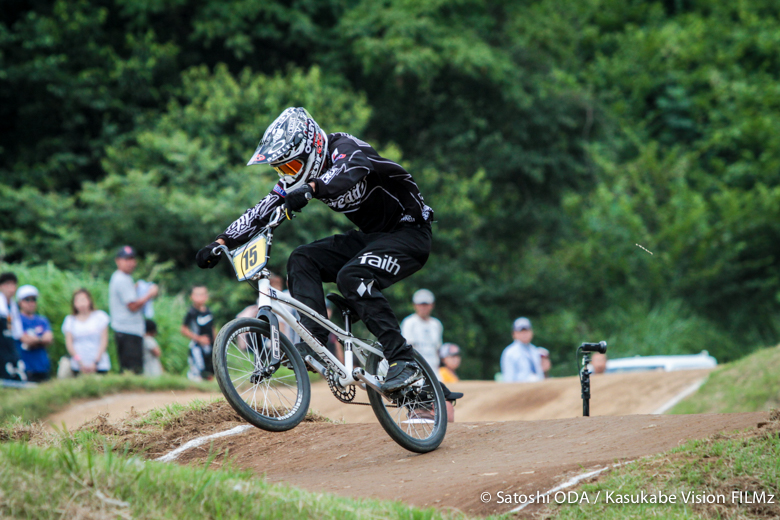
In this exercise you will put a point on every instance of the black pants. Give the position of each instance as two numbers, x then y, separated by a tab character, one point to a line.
130	349
361	264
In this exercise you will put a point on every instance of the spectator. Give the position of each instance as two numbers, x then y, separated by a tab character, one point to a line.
450	361
11	326
126	308
521	361
36	336
86	335
152	352
598	363
198	326
423	331
546	363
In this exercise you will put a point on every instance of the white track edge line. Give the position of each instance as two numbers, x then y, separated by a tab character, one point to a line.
199	441
570	483
679	397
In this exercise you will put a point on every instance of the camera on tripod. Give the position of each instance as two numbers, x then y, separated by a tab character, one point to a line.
583	360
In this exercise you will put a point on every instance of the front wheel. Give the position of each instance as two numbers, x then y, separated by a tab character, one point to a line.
416	416
242	353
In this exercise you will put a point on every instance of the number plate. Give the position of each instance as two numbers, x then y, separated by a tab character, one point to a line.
250	258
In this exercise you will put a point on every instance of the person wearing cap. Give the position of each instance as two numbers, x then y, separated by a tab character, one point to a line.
450	361
36	336
521	361
11	326
423	331
126	309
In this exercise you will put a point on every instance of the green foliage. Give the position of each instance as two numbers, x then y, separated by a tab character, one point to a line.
550	137
750	384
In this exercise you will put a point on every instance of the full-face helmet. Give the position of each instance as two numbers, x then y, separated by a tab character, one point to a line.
294	146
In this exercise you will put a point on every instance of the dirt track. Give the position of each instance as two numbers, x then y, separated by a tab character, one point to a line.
558	398
118	405
358	459
517	456
614	394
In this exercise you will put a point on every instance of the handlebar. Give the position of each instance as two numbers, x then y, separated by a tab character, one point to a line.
280	214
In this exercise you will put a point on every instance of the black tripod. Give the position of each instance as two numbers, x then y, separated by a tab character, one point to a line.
585	350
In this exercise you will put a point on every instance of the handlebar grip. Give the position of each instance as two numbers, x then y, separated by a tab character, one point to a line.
600	347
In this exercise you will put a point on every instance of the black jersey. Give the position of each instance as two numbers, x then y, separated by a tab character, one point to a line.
200	322
376	194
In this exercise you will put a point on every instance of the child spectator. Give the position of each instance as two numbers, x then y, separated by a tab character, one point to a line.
450	361
198	326
86	335
10	329
152	352
36	335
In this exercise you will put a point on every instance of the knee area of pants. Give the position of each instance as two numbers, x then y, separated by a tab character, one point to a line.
347	281
298	256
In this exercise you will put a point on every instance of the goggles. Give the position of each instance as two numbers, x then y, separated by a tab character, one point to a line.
293	168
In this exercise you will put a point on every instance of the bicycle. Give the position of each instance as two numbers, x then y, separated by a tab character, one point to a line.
251	355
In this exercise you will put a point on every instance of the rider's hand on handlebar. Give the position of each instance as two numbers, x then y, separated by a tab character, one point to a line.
297	199
205	259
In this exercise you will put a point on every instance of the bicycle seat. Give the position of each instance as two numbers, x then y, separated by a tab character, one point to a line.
343	306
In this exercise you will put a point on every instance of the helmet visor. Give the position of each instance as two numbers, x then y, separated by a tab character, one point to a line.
292	168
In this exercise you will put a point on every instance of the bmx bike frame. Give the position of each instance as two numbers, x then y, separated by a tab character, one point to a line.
272	303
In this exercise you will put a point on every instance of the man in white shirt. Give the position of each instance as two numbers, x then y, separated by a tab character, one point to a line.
423	331
126	308
521	362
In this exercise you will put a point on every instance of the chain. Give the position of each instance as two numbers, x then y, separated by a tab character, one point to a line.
344	395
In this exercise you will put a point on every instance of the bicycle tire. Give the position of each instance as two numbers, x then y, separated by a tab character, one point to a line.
232	363
403	429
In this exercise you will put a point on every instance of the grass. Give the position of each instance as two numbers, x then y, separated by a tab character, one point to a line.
72	482
747	385
745	461
36	403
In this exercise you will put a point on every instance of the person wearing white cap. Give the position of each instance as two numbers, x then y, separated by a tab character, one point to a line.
423	331
521	361
36	335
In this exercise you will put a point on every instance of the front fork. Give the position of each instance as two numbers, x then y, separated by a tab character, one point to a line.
264	313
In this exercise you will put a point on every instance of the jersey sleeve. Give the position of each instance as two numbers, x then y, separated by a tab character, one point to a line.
350	165
240	231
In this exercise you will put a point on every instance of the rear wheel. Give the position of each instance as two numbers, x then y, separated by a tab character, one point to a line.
272	400
416	416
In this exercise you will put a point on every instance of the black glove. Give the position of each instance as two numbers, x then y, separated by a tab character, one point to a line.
204	257
297	199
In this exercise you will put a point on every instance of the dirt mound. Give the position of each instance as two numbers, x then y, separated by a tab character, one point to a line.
518	456
557	398
116	406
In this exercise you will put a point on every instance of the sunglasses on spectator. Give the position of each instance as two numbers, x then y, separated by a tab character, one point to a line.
30	299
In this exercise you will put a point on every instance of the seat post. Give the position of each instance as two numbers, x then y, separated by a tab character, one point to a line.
347	321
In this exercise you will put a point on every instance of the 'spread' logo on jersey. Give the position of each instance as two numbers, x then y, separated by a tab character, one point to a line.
350	198
386	262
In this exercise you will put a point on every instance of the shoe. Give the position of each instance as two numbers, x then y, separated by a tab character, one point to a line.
305	350
400	375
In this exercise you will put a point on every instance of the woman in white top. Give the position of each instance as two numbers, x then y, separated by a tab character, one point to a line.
86	335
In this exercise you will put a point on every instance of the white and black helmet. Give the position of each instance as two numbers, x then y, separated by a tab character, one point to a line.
294	146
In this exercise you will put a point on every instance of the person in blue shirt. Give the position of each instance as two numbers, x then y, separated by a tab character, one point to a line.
521	362
36	335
